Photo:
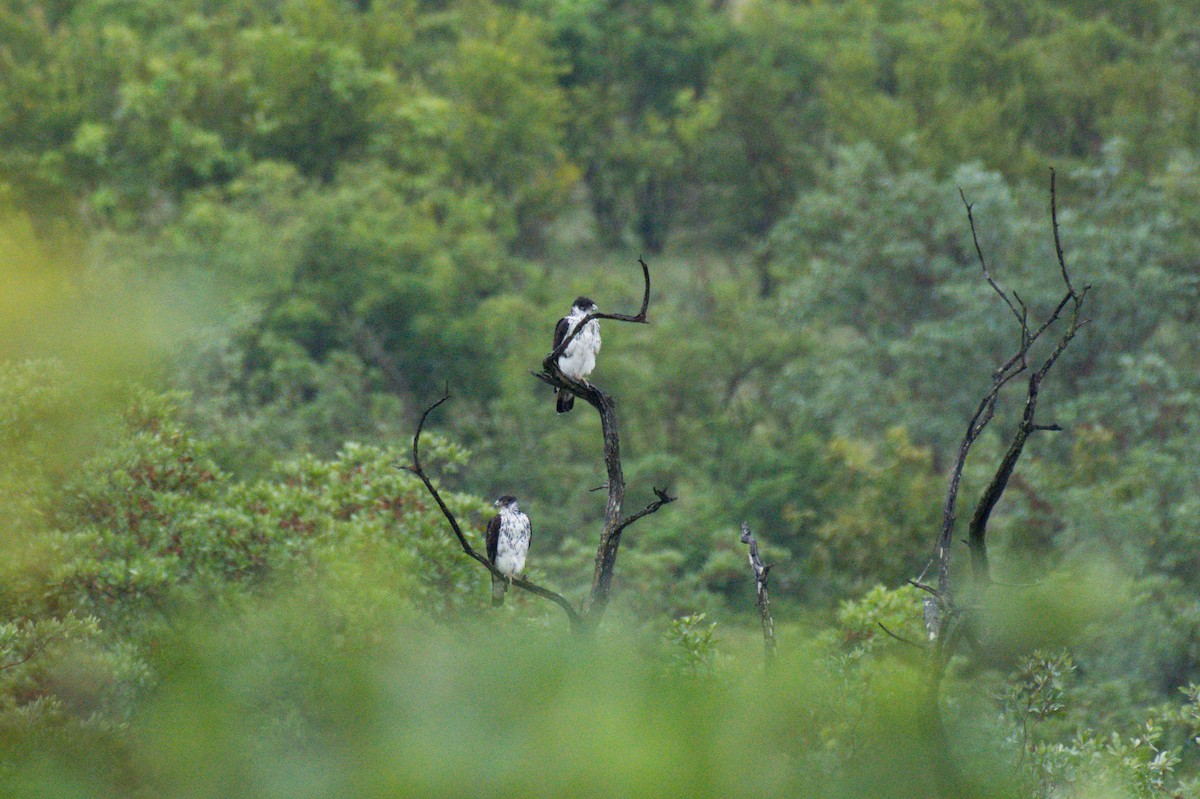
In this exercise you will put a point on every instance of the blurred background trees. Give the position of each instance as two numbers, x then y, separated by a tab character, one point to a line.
244	243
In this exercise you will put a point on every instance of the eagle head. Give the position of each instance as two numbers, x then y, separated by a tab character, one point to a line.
583	304
506	501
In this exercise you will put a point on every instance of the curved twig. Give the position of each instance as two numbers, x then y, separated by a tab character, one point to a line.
38	648
572	615
663	499
1058	250
551	360
1021	315
899	638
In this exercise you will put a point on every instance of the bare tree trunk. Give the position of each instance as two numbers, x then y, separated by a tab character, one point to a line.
946	621
1016	364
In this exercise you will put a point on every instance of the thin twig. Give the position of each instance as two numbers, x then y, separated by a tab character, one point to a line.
638	318
37	650
1058	250
983	263
900	638
922	586
663	499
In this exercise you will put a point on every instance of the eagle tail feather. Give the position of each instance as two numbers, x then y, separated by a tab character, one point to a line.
566	401
499	588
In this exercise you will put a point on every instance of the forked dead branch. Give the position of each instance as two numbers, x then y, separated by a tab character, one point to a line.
614	522
592	609
942	613
948	618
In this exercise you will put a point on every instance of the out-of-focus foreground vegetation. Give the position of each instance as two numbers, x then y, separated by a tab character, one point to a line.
244	243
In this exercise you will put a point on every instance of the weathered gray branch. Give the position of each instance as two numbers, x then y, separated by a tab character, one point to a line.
760	587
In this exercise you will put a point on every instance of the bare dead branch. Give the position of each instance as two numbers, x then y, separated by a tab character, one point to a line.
988	275
606	407
1058	250
945	623
977	529
901	639
760	587
614	522
927	588
572	615
638	318
1016	364
662	499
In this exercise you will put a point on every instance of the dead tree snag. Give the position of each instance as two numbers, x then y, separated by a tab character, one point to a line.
588	615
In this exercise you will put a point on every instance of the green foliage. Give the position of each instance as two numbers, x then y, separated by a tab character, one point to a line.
864	623
155	522
272	699
693	645
104	562
879	508
1034	692
638	109
509	116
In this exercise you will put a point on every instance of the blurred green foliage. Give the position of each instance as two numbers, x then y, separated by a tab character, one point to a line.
243	244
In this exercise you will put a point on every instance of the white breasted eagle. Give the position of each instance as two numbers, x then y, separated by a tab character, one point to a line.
579	358
507	541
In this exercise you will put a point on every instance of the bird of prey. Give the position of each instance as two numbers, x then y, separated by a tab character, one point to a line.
507	542
579	358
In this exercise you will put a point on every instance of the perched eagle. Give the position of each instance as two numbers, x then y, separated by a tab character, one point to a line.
507	541
579	358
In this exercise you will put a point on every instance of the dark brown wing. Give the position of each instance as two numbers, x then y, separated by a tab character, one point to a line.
560	332
492	538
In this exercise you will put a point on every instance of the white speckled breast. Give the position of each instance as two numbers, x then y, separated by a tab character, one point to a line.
579	358
513	542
